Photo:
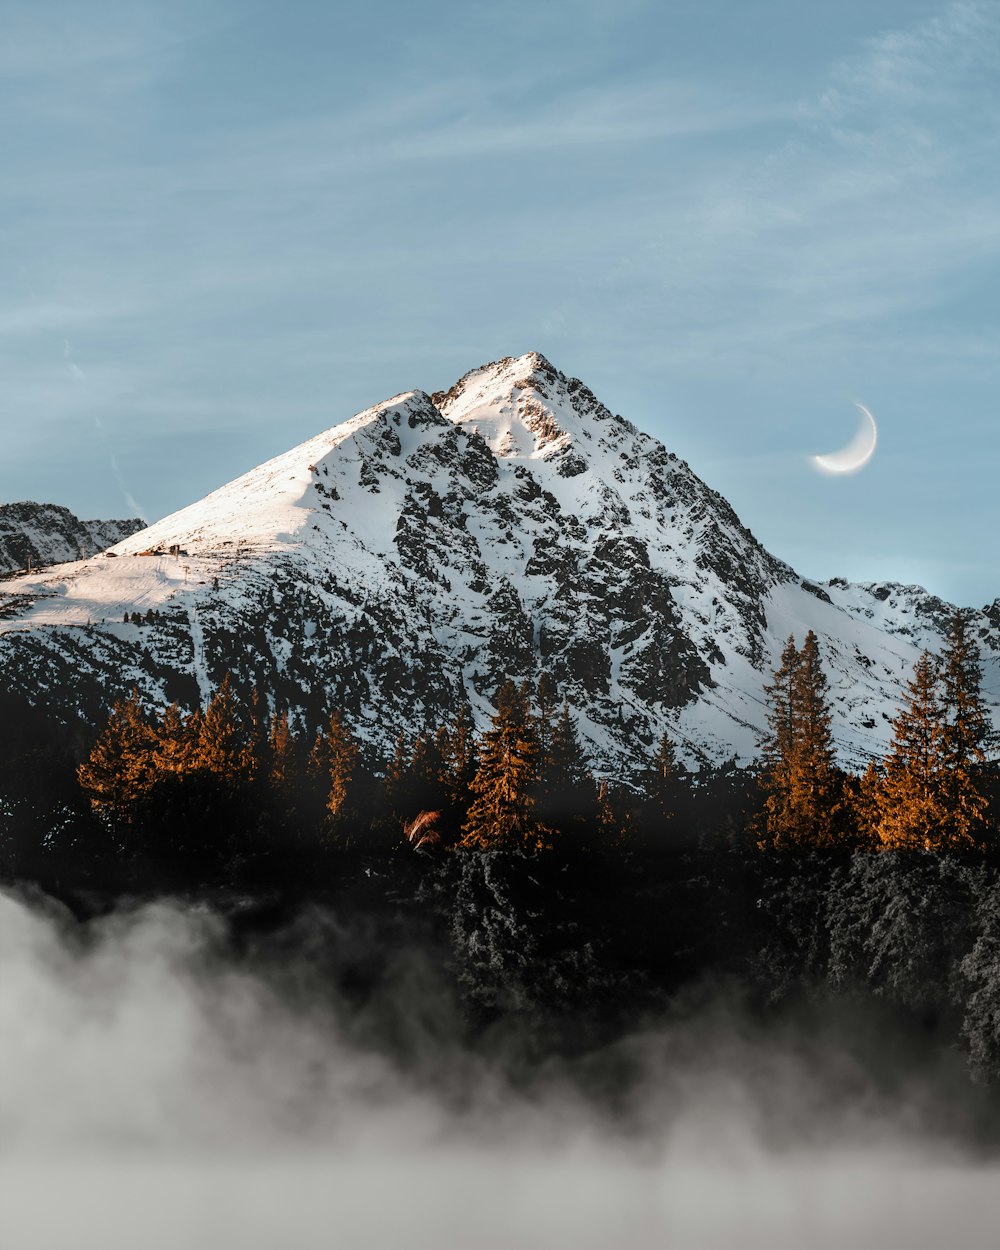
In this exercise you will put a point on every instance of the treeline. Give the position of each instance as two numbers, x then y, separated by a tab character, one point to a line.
931	792
525	784
213	793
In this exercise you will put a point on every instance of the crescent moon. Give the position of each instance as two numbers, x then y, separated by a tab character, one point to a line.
858	451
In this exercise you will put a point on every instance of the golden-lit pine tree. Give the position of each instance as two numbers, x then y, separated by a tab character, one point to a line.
224	748
501	816
176	743
334	762
119	772
802	786
283	762
909	793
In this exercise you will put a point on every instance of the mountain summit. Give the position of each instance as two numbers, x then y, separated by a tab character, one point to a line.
430	547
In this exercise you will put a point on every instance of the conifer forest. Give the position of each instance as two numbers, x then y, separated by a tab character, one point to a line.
561	905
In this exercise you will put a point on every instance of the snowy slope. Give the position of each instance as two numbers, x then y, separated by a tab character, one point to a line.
426	549
45	533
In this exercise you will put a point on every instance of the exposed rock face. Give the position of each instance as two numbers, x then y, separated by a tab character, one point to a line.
45	533
432	546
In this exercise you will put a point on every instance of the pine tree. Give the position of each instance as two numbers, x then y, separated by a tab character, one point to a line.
119	772
414	780
615	815
659	784
910	794
780	695
966	735
335	761
426	773
176	743
567	796
501	815
281	780
396	777
776	825
816	789
224	747
258	724
546	702
283	755
460	759
802	785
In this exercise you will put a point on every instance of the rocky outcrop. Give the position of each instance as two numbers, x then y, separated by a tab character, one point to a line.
37	534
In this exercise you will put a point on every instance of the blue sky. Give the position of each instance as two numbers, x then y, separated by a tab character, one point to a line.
226	226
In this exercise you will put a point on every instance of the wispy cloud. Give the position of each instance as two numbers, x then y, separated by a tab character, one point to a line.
229	253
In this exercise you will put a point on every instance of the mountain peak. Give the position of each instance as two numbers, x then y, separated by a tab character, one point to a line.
526	409
427	549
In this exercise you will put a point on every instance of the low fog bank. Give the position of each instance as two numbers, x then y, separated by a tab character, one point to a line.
163	1085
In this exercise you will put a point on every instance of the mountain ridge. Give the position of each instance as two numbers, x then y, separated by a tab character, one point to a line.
431	546
37	534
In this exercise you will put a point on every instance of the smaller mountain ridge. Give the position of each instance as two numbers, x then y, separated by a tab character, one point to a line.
33	535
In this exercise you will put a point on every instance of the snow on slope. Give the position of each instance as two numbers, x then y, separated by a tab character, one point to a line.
430	547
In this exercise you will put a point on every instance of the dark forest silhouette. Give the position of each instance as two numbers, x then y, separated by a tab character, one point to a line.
584	902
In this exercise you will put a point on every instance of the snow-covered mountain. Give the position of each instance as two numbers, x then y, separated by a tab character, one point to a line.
429	547
37	534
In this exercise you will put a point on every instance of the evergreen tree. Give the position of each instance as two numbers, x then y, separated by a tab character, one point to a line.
546	702
335	764
395	779
816	789
803	788
567	795
258	730
460	760
780	696
965	735
119	771
224	747
284	764
415	778
175	739
910	792
501	816
615	815
659	785
281	779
